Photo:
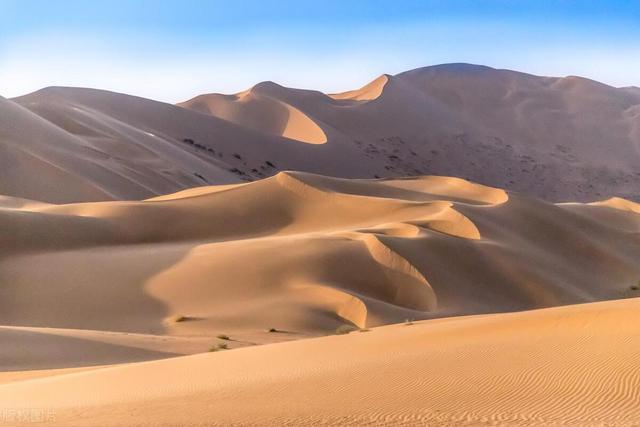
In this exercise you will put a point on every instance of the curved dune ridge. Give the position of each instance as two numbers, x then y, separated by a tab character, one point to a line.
262	112
258	255
89	286
497	127
619	203
369	92
577	366
133	230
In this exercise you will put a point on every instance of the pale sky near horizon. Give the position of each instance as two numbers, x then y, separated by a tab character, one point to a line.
173	50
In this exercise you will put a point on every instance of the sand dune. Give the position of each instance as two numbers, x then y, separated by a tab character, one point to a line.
577	366
368	92
479	227
558	138
258	110
94	294
307	253
25	348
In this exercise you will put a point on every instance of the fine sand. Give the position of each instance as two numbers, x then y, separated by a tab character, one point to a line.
454	245
297	252
574	365
560	139
305	254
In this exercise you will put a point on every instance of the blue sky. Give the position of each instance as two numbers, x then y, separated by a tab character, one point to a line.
173	50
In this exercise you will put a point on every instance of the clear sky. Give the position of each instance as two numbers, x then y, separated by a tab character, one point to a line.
173	50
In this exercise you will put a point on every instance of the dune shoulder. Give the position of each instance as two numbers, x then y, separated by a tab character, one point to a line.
576	366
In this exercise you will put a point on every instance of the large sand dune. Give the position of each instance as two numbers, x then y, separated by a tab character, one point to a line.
573	365
558	138
90	288
490	301
306	253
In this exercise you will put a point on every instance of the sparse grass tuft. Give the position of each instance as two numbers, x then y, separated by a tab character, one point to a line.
364	330
219	346
635	287
223	337
345	329
180	318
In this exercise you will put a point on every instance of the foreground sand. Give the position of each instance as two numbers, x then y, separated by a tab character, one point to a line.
94	294
574	365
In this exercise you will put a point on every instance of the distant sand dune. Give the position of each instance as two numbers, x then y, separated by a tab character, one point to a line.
557	138
397	228
259	111
368	92
618	203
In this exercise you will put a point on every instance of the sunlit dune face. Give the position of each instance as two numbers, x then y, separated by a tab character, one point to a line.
369	92
263	113
227	214
301	127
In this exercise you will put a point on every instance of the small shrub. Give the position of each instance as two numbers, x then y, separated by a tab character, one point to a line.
634	287
272	330
345	329
181	318
201	177
219	346
364	330
237	171
223	337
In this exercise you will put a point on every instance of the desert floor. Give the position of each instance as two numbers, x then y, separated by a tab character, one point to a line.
301	299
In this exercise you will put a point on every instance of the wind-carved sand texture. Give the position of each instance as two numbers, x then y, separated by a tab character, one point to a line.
297	252
148	251
573	365
561	139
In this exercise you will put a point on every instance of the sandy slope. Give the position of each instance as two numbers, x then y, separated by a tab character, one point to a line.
497	127
559	138
94	294
574	365
305	254
116	253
